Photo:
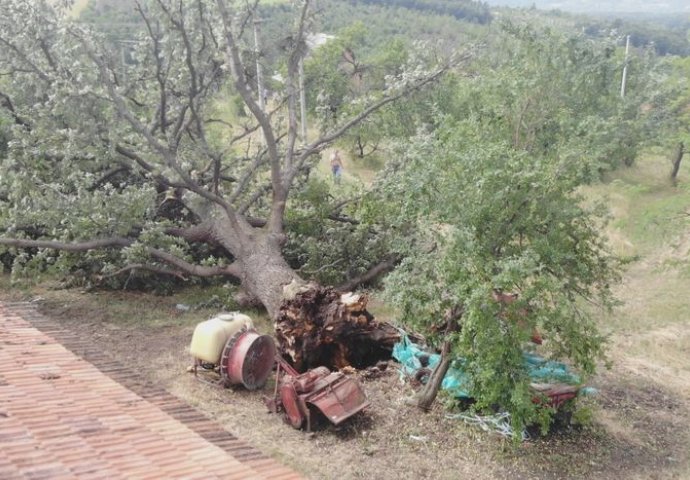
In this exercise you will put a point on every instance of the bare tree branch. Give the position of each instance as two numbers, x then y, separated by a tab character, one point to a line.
381	268
46	52
342	203
196	270
196	86
195	233
127	153
168	155
119	242
275	224
24	57
246	177
326	139
251	129
343	219
107	177
6	103
260	192
290	84
251	13
160	77
68	247
141	266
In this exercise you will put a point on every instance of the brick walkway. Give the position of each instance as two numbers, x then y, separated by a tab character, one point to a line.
61	417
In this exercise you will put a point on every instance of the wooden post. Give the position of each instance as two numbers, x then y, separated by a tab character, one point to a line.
302	101
625	67
676	161
427	395
259	76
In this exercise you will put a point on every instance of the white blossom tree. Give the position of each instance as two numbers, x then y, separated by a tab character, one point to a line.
100	145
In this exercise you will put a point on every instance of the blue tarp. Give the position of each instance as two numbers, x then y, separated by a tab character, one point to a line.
414	359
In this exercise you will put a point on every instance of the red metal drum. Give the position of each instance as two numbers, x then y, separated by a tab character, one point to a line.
248	359
291	403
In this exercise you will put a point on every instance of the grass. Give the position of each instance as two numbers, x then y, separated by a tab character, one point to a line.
124	309
78	7
648	211
651	226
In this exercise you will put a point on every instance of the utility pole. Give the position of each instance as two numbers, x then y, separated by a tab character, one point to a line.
625	66
259	76
302	101
124	46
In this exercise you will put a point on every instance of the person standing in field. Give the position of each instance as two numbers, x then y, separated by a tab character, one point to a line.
336	166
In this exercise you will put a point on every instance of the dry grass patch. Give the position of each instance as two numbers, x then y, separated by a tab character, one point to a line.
78	7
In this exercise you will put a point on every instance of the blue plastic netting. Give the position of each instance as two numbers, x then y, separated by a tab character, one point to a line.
414	360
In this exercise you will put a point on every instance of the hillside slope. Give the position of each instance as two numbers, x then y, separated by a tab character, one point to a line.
650	332
654	6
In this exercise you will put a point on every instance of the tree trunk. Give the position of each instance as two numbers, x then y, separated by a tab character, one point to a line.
265	274
676	161
315	326
360	147
426	396
262	269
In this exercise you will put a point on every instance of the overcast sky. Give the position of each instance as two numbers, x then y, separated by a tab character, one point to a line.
651	6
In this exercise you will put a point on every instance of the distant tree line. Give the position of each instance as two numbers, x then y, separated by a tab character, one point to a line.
665	39
469	10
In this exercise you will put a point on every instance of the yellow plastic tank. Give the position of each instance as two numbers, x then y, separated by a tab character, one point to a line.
210	336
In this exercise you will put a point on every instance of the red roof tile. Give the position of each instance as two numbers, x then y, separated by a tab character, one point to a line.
62	418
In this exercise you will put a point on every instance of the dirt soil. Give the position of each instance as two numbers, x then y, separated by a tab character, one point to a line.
639	429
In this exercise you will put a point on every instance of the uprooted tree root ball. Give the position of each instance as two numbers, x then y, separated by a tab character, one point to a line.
319	326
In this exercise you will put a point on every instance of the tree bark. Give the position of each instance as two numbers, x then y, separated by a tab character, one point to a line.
265	274
427	396
676	161
381	268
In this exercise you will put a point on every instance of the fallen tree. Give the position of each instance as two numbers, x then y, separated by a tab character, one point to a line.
99	144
